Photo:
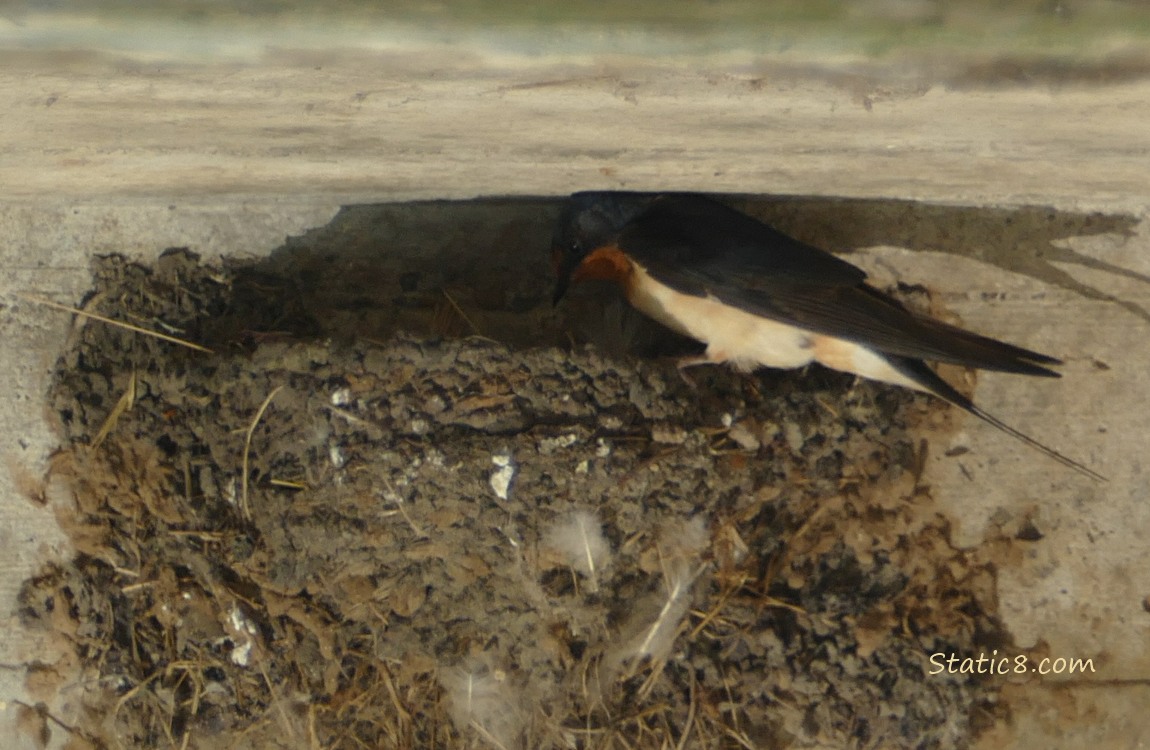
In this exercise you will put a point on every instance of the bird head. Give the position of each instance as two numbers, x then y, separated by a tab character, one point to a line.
588	221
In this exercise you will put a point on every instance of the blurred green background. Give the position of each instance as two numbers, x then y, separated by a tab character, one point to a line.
1102	35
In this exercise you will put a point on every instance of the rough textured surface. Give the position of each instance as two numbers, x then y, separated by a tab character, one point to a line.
365	128
406	559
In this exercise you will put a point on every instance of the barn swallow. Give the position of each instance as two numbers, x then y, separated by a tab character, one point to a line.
758	298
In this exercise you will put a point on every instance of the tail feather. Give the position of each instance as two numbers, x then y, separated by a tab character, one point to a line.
918	371
970	349
1041	448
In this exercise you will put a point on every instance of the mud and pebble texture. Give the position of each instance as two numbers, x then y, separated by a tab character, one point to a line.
426	541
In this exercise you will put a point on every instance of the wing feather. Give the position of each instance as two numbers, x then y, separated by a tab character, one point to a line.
703	248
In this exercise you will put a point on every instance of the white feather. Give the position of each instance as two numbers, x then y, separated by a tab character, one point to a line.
579	541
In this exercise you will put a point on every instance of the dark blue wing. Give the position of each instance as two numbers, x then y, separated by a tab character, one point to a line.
703	248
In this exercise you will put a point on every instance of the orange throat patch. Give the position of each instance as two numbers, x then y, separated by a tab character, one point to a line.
606	263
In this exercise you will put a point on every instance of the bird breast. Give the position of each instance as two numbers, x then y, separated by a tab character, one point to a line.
750	341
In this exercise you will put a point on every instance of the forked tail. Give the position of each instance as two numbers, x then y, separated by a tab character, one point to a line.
930	381
997	423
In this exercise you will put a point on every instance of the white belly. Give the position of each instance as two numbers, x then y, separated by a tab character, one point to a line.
750	341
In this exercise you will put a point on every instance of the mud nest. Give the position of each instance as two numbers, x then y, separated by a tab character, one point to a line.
448	542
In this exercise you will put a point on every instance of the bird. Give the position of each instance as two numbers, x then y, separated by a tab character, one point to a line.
757	297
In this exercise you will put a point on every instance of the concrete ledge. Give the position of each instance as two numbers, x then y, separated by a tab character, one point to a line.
377	128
